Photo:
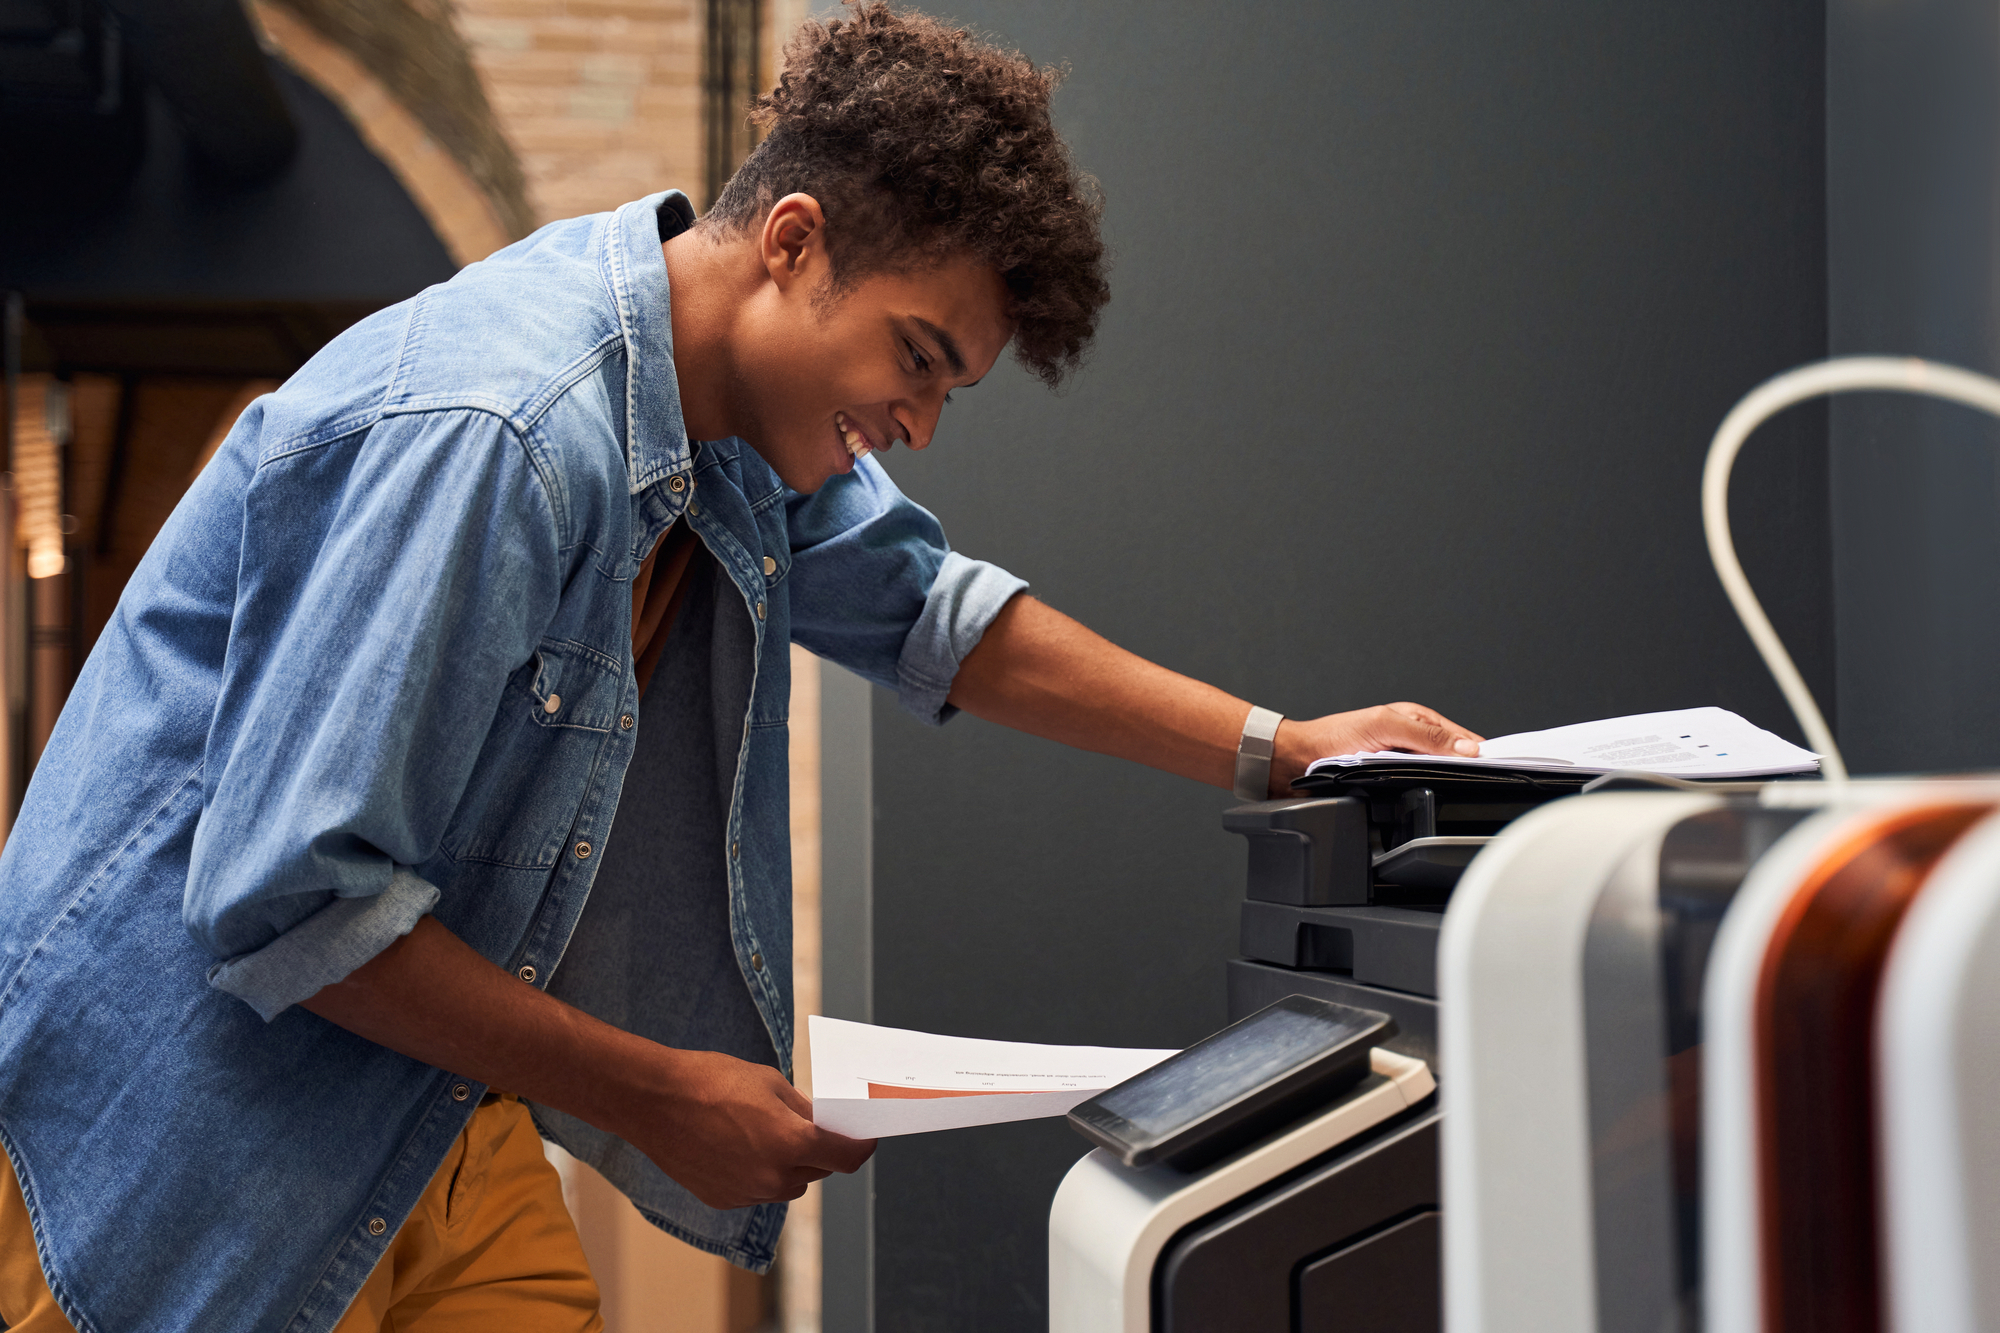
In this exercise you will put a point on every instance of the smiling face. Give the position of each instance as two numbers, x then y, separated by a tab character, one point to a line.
824	379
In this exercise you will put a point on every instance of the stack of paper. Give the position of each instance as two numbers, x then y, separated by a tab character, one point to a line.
1690	743
871	1082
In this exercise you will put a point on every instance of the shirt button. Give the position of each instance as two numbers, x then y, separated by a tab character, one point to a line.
760	610
734	848
677	483
460	1091
583	851
552	703
694	511
527	973
625	722
770	566
376	1226
757	962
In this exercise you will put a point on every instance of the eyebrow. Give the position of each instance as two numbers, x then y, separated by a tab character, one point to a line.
946	343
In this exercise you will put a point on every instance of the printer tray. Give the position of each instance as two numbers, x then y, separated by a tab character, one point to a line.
1467	785
1427	863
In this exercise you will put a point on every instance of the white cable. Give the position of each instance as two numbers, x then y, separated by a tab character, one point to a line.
1845	374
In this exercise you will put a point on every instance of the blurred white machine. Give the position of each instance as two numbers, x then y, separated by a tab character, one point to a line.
1727	1059
1940	1095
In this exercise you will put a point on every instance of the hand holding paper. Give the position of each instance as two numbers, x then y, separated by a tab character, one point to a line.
871	1082
1688	743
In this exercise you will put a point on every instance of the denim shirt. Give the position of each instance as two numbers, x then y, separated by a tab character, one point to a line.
379	664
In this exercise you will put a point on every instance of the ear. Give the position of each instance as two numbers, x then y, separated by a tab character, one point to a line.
793	242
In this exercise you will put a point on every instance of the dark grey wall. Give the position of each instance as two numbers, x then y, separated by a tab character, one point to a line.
1913	106
1424	316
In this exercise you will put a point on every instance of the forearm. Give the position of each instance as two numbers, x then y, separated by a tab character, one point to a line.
733	1132
431	997
1037	670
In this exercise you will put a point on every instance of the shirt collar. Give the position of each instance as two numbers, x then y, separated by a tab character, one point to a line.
656	441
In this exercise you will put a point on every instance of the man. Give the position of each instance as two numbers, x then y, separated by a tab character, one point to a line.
294	916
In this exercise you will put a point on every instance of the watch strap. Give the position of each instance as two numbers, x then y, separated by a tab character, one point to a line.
1253	754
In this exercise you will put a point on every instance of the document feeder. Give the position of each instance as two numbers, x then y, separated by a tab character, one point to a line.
1348	883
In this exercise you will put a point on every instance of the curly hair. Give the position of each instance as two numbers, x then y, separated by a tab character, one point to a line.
922	142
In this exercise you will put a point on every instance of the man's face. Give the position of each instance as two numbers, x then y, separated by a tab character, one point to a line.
823	383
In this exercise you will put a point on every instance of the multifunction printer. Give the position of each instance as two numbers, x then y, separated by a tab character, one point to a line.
1333	1221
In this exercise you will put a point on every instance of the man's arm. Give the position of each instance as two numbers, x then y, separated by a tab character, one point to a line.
734	1133
1039	671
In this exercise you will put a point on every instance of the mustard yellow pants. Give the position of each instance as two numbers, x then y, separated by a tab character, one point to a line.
488	1246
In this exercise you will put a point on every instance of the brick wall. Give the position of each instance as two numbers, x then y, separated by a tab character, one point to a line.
600	98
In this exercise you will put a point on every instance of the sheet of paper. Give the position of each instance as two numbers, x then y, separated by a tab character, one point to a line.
871	1082
1688	743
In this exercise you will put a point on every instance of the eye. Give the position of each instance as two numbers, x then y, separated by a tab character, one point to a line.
923	362
947	400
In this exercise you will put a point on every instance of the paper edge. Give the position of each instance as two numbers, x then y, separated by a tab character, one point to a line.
892	1117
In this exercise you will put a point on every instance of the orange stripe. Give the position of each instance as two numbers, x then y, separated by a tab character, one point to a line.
1815	1054
902	1091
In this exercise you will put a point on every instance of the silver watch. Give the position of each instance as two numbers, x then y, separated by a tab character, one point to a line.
1253	754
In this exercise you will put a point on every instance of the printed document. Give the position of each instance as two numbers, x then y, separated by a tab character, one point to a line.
1690	743
870	1082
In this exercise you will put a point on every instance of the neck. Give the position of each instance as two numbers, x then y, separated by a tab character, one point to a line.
709	281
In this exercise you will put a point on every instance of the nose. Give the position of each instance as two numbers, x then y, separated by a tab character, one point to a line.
919	421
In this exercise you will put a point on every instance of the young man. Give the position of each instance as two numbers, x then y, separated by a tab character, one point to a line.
295	911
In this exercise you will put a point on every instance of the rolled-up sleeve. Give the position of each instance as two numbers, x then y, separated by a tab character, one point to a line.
325	947
391	584
875	588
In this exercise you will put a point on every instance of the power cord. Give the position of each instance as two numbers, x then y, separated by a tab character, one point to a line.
1847	374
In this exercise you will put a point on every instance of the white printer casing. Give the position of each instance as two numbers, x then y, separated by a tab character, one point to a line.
1110	1222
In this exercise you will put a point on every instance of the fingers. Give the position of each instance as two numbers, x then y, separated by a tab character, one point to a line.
1398	730
822	1149
837	1152
825	1154
794	1184
789	1182
1441	725
1407	726
791	1096
815	1151
1437	719
764	1182
781	1188
736	1133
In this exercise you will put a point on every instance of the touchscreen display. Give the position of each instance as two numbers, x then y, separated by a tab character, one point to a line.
1211	1074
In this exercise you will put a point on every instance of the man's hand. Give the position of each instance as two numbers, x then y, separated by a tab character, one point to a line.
736	1133
733	1132
1038	671
1404	726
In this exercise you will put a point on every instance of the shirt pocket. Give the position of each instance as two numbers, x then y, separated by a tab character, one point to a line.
554	718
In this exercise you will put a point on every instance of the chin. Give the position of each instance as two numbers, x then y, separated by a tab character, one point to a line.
788	465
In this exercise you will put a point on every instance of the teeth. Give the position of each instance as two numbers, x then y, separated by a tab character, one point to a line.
856	443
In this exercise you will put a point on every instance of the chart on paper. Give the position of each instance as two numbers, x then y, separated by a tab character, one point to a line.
871	1082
